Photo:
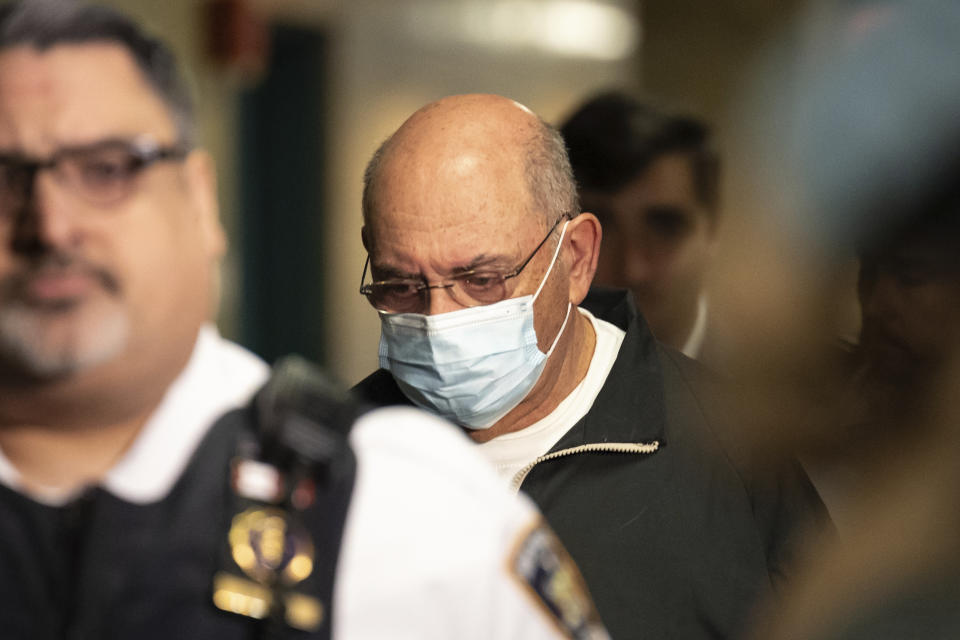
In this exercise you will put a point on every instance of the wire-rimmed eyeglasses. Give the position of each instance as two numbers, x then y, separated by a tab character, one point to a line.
470	288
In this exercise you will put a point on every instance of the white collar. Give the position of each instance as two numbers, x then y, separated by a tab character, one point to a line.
694	343
218	377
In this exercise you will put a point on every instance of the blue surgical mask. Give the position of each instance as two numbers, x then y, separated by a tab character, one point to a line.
471	366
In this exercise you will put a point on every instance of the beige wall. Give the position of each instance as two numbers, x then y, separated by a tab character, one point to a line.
698	53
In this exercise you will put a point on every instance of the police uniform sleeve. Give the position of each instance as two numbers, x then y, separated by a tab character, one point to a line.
436	548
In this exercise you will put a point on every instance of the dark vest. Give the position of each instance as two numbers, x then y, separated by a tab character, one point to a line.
101	568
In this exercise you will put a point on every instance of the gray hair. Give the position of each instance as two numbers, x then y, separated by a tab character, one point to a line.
547	170
47	23
549	175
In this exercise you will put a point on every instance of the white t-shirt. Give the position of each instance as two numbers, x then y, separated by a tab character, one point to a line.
431	536
512	452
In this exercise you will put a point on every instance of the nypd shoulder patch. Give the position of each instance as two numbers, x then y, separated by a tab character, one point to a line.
547	572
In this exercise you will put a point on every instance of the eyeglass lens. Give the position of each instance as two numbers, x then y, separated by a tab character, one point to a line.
469	290
102	175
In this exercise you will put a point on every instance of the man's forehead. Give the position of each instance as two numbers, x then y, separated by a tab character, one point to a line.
410	246
462	189
75	93
451	226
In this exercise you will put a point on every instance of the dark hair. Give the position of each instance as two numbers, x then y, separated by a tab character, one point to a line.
612	138
932	216
47	23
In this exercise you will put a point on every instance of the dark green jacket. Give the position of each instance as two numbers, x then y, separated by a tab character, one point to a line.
678	543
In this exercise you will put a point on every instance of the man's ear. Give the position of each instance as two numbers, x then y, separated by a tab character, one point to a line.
583	239
202	183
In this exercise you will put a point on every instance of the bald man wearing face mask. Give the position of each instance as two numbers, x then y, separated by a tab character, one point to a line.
479	261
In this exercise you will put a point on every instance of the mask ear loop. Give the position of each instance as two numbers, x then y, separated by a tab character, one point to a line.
560	333
544	281
552	262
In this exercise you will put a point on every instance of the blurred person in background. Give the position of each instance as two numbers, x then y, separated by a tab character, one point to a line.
855	153
651	177
145	491
480	263
909	293
889	476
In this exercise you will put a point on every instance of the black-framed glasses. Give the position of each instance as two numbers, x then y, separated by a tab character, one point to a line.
472	288
102	173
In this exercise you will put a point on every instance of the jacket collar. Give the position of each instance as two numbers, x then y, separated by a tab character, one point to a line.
630	407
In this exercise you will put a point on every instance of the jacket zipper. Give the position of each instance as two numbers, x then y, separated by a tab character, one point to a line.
605	447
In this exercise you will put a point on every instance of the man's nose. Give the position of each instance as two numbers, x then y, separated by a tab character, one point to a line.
46	217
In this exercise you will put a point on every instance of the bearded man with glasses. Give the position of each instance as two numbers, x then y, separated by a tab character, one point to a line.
479	260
